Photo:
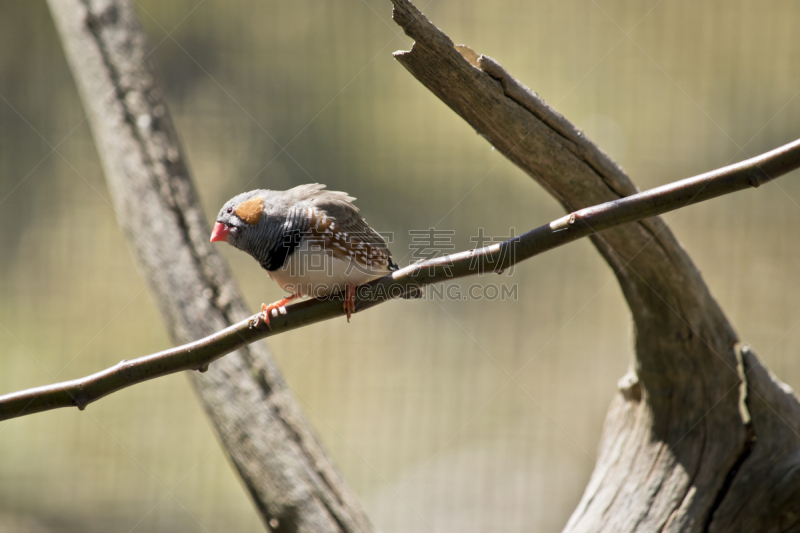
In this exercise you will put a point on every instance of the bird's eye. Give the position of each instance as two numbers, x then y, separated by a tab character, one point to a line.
230	210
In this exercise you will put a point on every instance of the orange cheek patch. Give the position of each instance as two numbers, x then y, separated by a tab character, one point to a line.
251	210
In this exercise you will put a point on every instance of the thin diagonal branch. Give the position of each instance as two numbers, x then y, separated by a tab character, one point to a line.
199	354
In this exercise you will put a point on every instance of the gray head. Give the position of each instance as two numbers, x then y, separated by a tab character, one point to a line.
254	223
240	221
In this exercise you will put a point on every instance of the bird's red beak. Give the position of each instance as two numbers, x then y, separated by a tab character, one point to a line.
220	232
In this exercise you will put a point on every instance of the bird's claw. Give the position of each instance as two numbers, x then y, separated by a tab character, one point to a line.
266	310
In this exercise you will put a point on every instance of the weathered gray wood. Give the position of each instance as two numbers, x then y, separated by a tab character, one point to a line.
677	453
764	494
293	484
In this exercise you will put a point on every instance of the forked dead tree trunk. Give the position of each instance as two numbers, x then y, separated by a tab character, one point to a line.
701	437
291	480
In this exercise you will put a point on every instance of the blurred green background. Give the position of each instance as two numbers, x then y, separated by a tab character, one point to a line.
443	415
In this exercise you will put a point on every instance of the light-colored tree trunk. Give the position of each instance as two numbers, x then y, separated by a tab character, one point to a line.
292	482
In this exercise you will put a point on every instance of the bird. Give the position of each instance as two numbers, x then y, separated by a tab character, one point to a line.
311	241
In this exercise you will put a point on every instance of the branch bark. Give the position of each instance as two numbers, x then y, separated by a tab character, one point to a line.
292	482
701	436
200	354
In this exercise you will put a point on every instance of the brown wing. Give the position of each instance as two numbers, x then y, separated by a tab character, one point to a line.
338	222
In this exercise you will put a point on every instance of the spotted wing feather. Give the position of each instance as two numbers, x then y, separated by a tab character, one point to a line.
336	218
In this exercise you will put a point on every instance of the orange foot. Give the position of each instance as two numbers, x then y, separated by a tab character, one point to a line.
349	299
266	310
